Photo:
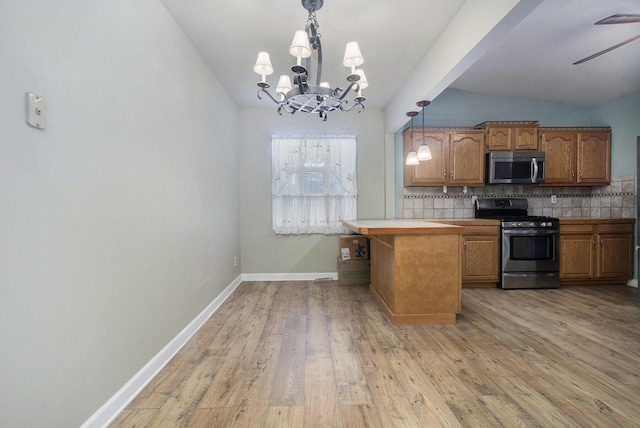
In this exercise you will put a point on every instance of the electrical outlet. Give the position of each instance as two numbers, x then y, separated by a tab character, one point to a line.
235	261
554	199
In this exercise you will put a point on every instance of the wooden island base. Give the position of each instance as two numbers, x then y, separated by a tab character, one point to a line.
411	319
415	269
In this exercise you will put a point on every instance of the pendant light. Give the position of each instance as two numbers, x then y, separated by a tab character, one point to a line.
412	156
424	152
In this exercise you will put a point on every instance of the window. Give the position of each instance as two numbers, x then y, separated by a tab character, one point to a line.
313	184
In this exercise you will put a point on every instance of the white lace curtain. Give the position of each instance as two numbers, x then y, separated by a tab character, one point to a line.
313	184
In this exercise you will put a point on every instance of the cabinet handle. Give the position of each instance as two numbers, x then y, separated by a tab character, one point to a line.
580	173
444	173
451	174
573	173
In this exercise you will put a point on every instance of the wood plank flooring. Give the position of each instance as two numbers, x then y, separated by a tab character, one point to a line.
305	354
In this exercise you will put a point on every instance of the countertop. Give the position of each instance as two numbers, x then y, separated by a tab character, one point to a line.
467	221
401	227
584	220
449	225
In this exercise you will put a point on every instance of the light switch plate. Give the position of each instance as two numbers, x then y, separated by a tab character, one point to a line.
36	111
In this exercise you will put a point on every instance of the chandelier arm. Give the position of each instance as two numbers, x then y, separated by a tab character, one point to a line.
269	94
286	108
356	104
353	85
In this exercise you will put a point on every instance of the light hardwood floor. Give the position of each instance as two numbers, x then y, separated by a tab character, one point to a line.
300	354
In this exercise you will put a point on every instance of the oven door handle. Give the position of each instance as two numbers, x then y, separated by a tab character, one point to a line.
531	232
534	170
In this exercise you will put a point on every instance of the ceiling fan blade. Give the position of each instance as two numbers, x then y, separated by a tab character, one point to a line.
595	55
619	19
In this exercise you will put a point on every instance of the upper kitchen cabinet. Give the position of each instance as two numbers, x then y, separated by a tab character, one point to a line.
576	156
457	157
511	136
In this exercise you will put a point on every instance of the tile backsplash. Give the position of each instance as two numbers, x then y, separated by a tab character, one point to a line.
617	200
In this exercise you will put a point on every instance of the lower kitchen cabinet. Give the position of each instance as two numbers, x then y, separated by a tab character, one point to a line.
480	260
596	251
577	252
480	253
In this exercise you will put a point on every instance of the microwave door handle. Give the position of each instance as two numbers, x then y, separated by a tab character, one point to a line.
534	167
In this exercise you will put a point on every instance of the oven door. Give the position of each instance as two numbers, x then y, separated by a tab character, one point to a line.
530	250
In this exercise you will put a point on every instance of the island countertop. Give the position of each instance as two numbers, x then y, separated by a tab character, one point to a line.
400	227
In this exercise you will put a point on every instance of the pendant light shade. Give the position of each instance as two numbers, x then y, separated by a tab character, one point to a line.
424	152
412	156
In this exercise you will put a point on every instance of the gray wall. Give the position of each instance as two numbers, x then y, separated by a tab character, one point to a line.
262	250
119	222
623	115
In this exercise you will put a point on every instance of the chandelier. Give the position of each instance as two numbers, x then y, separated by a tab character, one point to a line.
302	95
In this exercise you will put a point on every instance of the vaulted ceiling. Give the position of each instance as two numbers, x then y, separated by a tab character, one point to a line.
414	49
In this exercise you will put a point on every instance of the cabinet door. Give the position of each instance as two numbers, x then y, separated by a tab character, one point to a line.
466	157
480	261
594	157
560	156
428	173
615	256
525	138
577	256
499	138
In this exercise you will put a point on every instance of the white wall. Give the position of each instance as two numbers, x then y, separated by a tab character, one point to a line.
262	250
119	222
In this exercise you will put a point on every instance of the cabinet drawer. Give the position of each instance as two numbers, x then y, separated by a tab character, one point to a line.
615	228
572	229
481	230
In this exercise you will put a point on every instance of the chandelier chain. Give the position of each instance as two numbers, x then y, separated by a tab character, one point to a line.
314	21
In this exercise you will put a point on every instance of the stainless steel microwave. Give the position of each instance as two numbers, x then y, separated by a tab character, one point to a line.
525	167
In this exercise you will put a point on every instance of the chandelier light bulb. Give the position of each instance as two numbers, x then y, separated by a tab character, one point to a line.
352	56
284	84
362	83
263	65
300	47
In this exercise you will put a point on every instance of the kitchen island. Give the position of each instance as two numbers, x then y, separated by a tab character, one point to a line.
415	269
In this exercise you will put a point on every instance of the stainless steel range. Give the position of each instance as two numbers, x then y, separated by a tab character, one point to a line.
530	244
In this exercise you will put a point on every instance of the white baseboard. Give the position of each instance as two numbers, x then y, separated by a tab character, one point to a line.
288	276
633	283
116	404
